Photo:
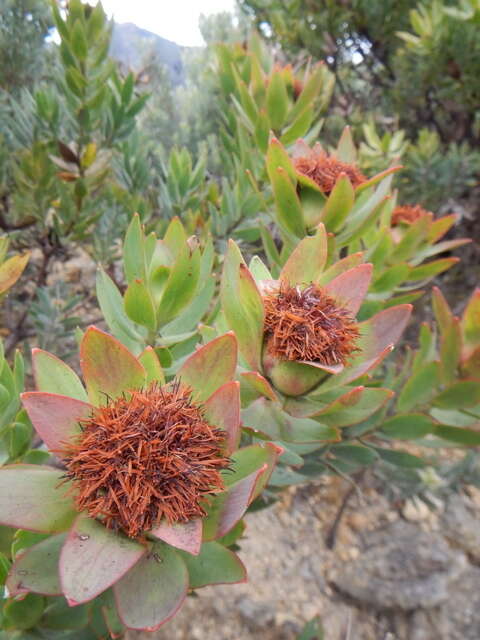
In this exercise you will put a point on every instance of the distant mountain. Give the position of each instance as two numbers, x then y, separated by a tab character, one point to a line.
130	43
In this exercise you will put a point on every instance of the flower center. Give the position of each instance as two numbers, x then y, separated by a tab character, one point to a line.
308	325
145	457
324	170
408	214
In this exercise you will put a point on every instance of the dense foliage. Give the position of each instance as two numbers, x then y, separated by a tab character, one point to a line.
253	279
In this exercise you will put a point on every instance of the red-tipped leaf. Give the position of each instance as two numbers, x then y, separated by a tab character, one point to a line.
93	558
222	409
210	366
108	367
55	418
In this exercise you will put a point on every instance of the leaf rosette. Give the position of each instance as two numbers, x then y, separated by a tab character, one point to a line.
147	482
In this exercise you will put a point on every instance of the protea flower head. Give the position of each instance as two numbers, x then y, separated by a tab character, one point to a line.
149	478
312	185
298	331
307	324
167	459
323	168
408	214
420	230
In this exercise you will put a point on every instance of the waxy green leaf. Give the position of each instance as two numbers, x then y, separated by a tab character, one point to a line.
307	261
210	366
108	367
32	499
93	558
36	569
54	376
214	565
161	581
242	306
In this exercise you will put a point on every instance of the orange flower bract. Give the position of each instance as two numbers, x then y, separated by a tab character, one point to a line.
144	457
308	325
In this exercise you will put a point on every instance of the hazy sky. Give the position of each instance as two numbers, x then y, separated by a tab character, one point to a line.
175	20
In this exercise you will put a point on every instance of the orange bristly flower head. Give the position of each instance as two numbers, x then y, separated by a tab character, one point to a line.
324	170
144	457
307	325
409	214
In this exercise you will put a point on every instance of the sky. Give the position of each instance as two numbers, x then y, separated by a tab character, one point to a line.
175	20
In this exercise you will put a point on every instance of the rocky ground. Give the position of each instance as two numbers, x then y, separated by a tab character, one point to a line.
403	573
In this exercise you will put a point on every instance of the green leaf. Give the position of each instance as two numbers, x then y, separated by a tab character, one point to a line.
58	615
288	207
313	630
390	279
23	540
211	366
36	570
443	313
354	454
162	578
278	157
471	323
408	426
149	359
36	456
54	376
181	285
134	251
31	499
108	367
346	151
139	305
24	614
20	435
4	568
311	89
78	41
262	131
400	458
431	269
268	418
299	127
259	270
111	304
462	436
242	305
93	558
175	237
214	565
353	406
277	101
307	260
465	393
227	508
419	388
339	204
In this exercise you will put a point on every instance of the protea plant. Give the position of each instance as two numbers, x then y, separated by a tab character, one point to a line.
401	246
146	482
312	185
310	357
301	331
